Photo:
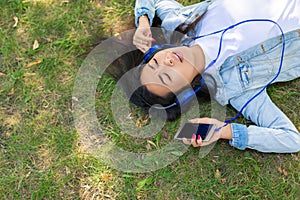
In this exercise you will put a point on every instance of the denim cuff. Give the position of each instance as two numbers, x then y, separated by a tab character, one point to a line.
239	136
143	11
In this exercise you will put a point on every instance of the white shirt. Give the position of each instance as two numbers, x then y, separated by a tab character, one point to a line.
224	13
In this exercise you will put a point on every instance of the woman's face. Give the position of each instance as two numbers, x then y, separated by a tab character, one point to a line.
170	70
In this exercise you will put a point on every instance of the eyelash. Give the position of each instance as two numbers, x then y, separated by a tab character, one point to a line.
167	75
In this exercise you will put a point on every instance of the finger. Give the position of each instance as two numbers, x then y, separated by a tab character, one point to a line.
142	44
147	42
144	48
199	140
193	141
142	37
202	120
141	47
186	141
146	38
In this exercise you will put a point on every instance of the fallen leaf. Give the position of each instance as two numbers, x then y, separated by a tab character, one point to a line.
16	21
223	180
29	74
282	171
217	174
2	74
33	63
152	143
105	177
67	170
75	99
148	147
164	134
35	45
28	174
12	91
279	169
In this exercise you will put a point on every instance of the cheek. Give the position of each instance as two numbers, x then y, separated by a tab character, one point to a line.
188	72
178	83
182	74
159	56
146	77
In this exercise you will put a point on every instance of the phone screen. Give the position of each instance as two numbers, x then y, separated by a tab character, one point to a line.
199	129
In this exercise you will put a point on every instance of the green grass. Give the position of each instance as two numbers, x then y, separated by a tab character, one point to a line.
41	156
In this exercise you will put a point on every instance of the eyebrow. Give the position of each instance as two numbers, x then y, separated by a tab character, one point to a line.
155	63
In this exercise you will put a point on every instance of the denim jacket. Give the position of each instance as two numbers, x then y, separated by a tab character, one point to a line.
241	76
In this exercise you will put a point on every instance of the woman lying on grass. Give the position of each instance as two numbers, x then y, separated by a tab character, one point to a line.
237	63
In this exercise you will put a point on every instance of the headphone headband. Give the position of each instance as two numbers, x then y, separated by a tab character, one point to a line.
153	50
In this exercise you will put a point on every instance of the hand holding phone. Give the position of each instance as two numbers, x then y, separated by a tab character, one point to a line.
188	129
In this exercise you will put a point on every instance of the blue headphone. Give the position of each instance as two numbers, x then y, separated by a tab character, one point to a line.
153	50
187	95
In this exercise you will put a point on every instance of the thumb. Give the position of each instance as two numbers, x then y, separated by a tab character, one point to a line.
202	120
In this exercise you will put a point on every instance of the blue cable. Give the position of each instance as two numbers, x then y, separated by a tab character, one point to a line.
219	51
223	31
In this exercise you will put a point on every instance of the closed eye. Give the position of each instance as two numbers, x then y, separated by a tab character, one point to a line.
150	66
162	79
167	75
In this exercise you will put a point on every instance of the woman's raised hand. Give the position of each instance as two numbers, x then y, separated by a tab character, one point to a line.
142	38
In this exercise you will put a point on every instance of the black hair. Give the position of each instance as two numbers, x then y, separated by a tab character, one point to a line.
137	93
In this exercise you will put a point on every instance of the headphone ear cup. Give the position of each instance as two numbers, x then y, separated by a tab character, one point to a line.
185	97
150	53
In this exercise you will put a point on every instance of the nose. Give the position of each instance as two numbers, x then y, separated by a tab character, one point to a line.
169	61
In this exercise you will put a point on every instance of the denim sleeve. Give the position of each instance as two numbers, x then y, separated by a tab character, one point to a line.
239	136
144	7
161	7
273	131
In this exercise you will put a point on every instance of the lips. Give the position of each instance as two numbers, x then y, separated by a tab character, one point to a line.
179	55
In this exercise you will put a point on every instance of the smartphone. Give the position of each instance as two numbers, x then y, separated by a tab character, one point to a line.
188	129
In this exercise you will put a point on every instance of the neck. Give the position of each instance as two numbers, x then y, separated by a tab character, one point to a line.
199	59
